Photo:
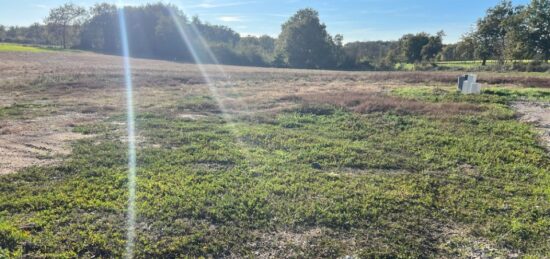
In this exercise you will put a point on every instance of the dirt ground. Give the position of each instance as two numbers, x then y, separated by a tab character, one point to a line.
78	88
538	114
37	141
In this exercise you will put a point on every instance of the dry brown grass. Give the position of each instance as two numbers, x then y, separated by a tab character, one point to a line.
76	85
451	78
376	102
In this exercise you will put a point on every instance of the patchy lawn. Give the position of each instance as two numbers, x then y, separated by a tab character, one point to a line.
303	163
314	181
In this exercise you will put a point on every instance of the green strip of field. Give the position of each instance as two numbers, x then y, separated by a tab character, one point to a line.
501	95
9	47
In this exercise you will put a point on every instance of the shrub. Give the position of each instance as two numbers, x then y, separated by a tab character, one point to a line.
537	66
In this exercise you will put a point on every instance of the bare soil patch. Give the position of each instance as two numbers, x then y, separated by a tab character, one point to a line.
459	238
538	114
294	244
37	141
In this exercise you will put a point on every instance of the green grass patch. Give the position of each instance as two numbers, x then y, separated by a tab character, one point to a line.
11	238
372	185
471	63
500	95
404	66
25	110
10	47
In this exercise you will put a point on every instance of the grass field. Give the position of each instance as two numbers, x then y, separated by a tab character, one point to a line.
464	65
448	64
474	63
294	163
8	47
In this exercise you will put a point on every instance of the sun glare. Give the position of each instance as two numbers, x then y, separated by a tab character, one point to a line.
130	120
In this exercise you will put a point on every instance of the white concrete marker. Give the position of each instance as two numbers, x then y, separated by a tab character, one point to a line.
467	84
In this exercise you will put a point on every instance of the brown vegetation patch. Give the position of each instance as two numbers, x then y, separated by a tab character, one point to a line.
451	78
457	240
92	85
299	244
367	103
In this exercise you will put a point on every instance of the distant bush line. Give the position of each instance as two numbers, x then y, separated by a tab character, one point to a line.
505	35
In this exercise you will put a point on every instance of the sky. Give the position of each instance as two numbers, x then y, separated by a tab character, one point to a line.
357	20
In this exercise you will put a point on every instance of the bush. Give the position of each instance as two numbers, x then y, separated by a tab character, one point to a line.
538	66
425	66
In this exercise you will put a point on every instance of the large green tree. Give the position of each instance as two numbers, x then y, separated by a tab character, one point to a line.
305	43
491	32
538	22
517	41
434	46
421	46
100	32
410	46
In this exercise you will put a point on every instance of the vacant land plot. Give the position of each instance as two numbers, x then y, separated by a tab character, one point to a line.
277	163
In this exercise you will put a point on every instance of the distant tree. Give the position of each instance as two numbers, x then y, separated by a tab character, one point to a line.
63	18
2	33
304	41
279	60
170	43
433	47
419	47
491	32
364	55
100	32
391	58
466	48
517	41
35	34
153	31
339	40
538	22
267	43
448	53
411	46
12	34
216	33
338	51
256	51
485	48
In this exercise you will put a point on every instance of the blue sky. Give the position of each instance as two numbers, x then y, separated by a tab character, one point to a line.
355	19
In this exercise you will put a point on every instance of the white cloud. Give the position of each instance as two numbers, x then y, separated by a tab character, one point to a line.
230	18
209	4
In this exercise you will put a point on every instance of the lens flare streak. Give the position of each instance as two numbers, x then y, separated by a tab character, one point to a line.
226	115
213	90
130	120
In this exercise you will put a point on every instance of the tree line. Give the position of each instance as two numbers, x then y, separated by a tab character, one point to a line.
505	33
